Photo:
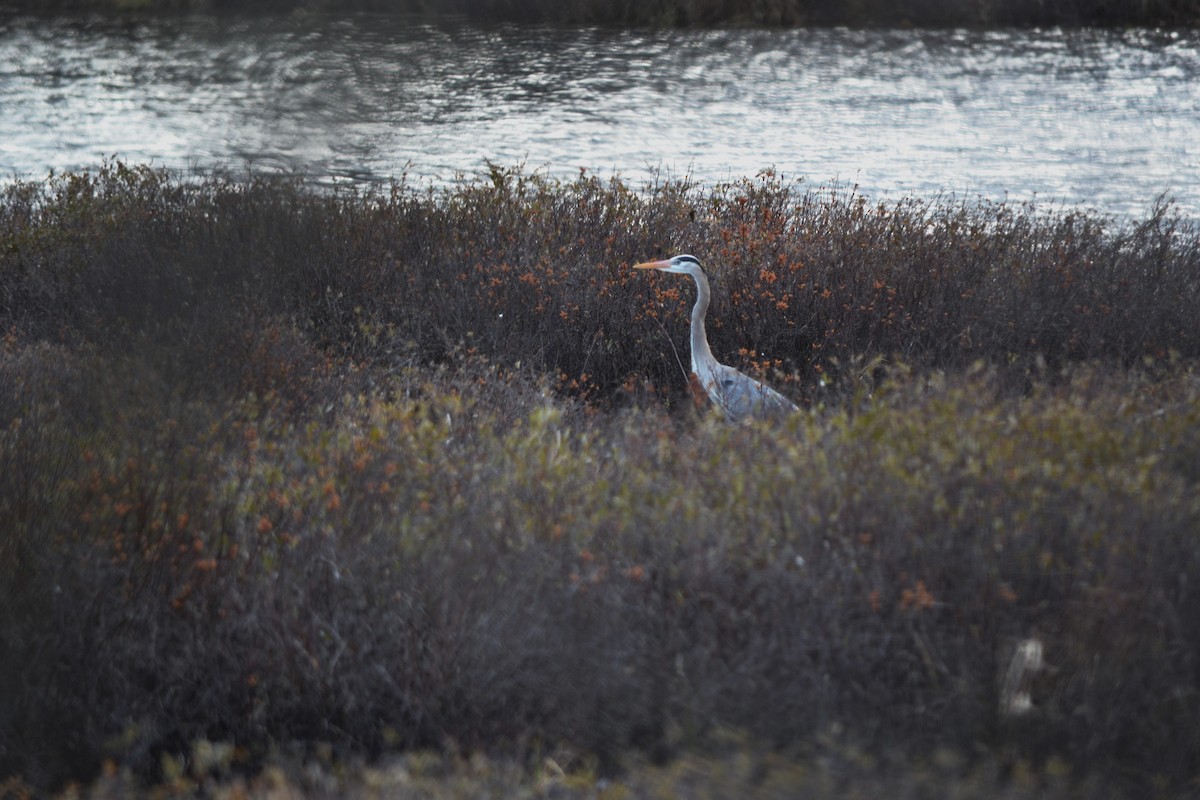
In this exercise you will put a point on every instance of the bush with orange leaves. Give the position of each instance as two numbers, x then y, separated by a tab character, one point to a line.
274	288
359	501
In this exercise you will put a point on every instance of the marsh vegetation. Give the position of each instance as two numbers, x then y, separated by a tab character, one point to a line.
411	480
698	12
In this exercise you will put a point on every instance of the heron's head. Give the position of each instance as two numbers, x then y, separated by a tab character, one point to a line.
685	264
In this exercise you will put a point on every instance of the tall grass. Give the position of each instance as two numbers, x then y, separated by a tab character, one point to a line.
534	273
365	474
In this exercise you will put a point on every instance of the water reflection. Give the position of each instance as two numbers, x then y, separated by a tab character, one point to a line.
1108	119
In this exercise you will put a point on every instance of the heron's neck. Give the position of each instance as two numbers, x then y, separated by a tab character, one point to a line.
702	357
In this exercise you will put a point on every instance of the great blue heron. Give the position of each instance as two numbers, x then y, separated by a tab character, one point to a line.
739	396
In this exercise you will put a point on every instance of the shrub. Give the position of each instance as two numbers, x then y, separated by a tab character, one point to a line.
405	571
812	286
387	495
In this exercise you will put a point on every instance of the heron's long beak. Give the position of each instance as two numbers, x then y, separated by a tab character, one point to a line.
666	262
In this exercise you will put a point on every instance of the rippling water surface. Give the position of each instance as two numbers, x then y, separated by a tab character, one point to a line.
1103	119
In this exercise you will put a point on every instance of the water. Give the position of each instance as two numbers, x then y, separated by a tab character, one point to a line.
1103	119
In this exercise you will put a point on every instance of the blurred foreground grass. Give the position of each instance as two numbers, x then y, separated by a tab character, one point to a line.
694	12
343	493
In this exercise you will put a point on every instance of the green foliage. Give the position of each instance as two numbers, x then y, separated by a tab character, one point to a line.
350	475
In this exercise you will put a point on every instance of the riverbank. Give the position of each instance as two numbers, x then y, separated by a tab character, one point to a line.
333	491
789	13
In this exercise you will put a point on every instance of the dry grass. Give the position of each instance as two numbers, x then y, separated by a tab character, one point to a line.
325	479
